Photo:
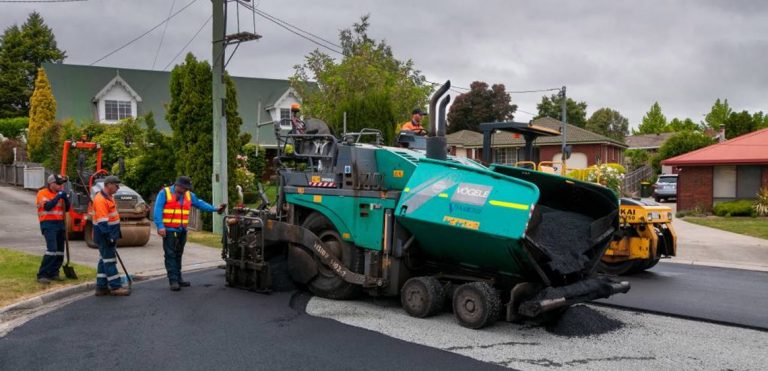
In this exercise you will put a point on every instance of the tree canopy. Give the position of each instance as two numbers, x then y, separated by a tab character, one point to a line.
678	125
22	51
375	89
740	123
480	104
576	113
718	114
608	122
679	144
654	121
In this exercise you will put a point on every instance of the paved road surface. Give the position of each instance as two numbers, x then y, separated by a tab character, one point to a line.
724	295
19	230
208	327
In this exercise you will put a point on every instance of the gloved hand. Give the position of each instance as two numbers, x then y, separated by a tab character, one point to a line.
62	195
221	208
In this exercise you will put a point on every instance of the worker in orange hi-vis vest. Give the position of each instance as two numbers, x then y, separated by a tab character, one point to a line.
52	202
171	216
106	232
415	124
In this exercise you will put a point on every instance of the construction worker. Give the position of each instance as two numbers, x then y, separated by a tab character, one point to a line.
106	232
52	202
415	124
297	125
171	216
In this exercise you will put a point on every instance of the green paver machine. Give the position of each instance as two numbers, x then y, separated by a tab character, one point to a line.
354	217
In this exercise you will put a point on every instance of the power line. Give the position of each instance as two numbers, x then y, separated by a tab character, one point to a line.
144	34
41	1
533	91
162	37
187	44
288	27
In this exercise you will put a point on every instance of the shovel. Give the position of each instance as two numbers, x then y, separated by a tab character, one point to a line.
128	276
69	271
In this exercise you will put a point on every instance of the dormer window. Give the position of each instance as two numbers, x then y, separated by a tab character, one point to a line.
116	110
116	101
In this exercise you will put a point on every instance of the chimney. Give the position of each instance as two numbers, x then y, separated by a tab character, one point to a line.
721	136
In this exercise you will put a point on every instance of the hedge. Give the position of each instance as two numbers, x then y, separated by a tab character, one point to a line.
13	127
734	208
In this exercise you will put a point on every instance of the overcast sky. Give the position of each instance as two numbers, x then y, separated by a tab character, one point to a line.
619	54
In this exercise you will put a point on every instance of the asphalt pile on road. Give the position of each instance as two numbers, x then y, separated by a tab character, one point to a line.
583	321
564	236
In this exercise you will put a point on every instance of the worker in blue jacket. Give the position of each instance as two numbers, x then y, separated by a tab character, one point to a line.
171	216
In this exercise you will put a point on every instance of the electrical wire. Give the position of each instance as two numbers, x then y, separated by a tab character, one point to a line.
41	1
292	29
187	44
162	37
144	34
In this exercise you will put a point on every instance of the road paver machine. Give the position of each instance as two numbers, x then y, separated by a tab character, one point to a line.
355	216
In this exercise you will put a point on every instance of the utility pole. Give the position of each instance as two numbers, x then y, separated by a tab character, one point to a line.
219	175
564	132
220	40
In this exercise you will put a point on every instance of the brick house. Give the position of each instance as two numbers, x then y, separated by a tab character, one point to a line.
588	148
731	170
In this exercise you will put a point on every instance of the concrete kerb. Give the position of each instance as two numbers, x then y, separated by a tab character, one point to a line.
65	292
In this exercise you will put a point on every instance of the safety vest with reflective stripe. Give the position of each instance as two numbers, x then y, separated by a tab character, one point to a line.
105	210
175	213
56	213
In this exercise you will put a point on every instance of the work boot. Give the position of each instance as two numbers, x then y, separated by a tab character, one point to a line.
175	286
44	280
58	278
102	291
122	291
184	283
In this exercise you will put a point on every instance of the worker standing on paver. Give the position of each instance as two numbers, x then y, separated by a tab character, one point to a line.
52	202
171	216
415	124
106	232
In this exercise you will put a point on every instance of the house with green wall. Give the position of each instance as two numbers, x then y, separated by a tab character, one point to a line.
110	94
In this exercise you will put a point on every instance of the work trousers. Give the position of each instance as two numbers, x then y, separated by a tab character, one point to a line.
173	247
106	270
54	253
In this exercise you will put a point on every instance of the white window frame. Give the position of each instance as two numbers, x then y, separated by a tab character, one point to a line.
124	109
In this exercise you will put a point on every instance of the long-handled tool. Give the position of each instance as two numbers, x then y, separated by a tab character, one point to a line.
69	271
127	275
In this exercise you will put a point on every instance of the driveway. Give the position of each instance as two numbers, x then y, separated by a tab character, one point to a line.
19	230
702	245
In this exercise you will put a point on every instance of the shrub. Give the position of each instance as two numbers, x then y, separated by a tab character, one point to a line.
761	204
734	208
6	151
609	175
250	197
13	128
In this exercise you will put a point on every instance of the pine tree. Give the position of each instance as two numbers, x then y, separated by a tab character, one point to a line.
42	115
22	51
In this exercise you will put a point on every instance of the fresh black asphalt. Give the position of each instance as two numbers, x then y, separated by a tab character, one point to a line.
205	327
723	295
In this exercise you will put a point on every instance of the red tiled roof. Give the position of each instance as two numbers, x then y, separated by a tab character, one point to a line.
749	148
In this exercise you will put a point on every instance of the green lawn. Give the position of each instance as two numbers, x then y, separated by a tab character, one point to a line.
755	227
18	276
205	238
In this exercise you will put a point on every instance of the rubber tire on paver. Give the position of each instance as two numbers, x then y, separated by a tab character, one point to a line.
327	284
88	235
476	305
422	296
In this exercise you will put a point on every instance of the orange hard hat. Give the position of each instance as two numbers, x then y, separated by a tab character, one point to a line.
295	107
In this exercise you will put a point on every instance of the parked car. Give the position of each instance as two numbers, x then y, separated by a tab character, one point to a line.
665	187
